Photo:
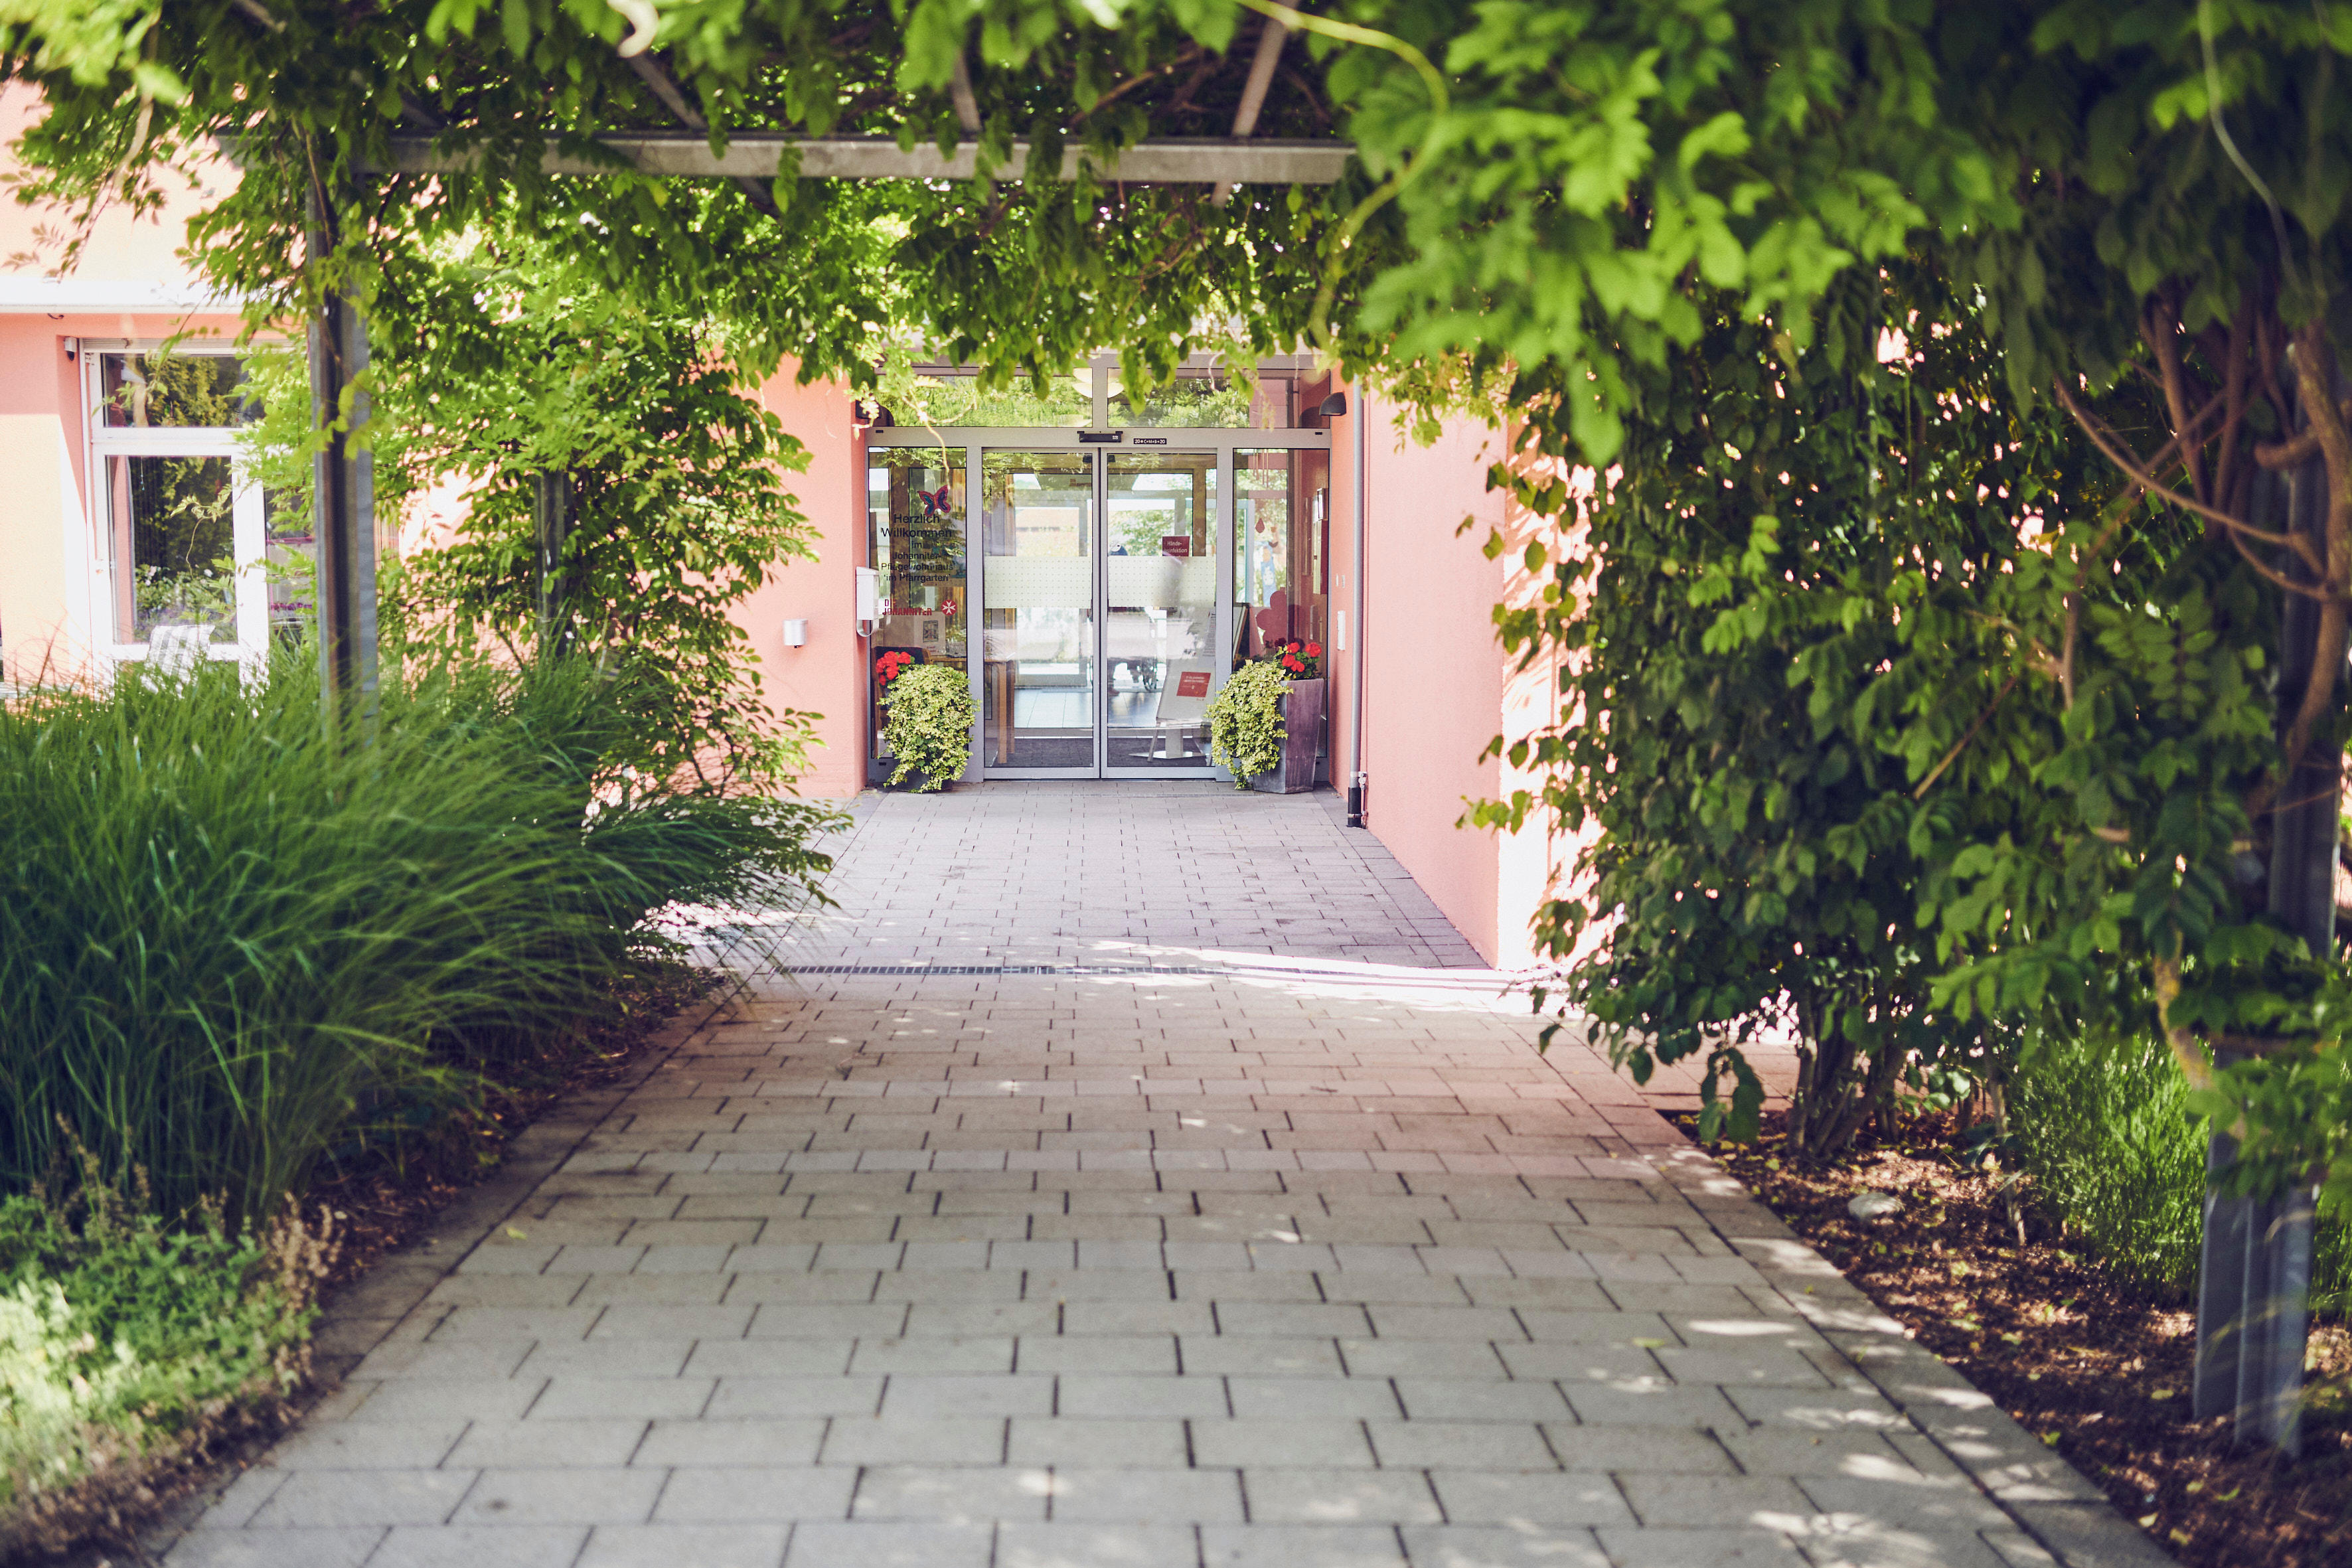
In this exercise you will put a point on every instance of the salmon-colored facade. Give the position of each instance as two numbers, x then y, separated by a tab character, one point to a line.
1414	613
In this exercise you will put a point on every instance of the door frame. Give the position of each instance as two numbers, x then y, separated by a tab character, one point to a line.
978	441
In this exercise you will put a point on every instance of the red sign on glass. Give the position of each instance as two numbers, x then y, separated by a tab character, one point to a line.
1176	546
1192	683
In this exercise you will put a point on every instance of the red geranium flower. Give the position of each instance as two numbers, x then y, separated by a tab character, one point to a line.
1315	649
1290	662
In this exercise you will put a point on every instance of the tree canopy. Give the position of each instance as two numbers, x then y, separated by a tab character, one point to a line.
1617	225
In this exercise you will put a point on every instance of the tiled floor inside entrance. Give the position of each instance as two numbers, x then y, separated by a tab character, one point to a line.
1300	1258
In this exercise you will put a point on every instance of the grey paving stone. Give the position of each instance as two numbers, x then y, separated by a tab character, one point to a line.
537	1444
1631	1548
1522	1544
770	1358
1123	1395
737	1441
580	1398
950	1494
923	1397
754	1494
1756	1366
1062	1440
1206	1496
433	1401
739	1397
369	1446
1264	1443
1473	1496
1451	1399
606	1358
580	1495
1301	1546
1461	1445
1307	1399
1095	1545
1286	1496
962	1441
1714	1503
329	1499
481	1546
1937	1503
1628	1448
889	1545
1861	1455
679	1545
328	1548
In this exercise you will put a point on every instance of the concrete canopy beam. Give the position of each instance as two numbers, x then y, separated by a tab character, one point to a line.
688	155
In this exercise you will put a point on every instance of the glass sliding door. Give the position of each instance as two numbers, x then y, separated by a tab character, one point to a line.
1159	608
1039	710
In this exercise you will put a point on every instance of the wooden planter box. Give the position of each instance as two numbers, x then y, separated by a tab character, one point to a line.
1302	733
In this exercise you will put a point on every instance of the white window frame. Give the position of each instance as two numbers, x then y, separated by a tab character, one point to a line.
248	529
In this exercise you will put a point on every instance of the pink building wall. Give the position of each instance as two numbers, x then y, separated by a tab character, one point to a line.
827	676
1438	685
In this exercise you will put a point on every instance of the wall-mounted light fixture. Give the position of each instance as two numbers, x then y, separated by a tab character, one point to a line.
1334	406
796	634
73	348
869	600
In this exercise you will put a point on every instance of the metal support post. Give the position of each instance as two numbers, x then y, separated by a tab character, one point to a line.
343	494
551	507
2253	1285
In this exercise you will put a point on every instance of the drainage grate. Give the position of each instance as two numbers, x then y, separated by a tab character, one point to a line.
921	969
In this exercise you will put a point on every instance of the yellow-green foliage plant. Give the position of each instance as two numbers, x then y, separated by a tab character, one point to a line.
129	1349
1246	729
928	728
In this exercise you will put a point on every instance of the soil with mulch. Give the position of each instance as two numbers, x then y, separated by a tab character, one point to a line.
2094	1364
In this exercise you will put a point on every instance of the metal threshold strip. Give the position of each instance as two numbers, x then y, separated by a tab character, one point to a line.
763	155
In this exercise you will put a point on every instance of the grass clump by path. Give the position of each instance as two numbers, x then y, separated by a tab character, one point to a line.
240	956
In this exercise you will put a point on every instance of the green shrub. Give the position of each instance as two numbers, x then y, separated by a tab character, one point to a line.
230	948
2103	1127
1246	729
126	1347
929	727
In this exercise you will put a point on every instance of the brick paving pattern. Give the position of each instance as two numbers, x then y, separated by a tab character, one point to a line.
1309	1267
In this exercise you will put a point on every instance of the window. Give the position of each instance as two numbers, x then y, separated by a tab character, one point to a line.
186	545
915	540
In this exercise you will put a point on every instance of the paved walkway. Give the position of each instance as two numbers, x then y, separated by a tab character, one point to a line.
1160	873
1305	1262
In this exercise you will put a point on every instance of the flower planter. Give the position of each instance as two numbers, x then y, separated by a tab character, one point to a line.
1302	733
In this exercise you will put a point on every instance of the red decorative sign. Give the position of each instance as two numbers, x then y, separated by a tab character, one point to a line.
1176	546
1192	683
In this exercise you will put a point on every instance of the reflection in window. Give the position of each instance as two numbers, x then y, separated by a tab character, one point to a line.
173	535
184	391
1281	567
1210	400
951	401
291	551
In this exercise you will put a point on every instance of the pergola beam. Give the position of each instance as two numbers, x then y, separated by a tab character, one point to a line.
759	155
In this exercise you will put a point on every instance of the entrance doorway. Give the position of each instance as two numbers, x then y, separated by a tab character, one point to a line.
1089	582
1099	597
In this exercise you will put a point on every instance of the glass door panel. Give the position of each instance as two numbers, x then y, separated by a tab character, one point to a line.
1038	650
915	539
1160	597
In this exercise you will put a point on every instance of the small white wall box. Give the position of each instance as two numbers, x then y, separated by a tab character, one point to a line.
796	634
869	600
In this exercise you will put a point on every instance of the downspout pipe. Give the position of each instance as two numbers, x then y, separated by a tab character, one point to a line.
1356	815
